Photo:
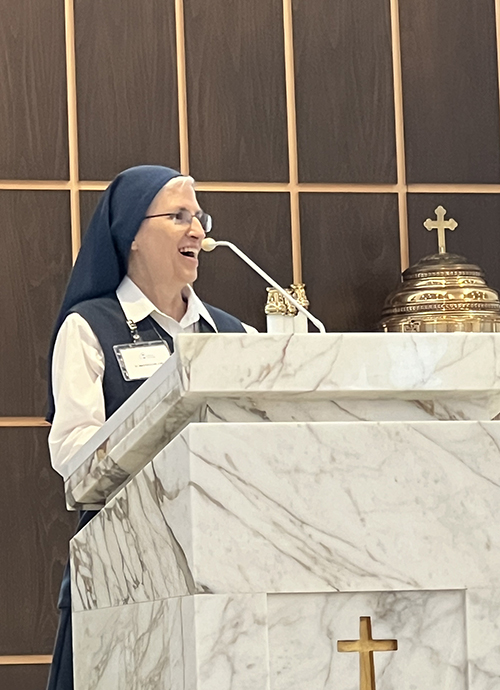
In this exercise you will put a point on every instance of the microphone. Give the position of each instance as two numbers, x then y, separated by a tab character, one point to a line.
209	244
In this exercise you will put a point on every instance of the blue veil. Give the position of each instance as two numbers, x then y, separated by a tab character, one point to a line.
102	261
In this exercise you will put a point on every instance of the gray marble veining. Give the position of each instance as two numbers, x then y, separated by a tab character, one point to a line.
256	511
300	507
430	629
195	643
333	377
275	642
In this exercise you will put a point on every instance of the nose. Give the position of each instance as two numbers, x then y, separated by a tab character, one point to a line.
196	229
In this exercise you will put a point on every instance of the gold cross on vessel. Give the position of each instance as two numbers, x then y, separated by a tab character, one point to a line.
365	646
441	225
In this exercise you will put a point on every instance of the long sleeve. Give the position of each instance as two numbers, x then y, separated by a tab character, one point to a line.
77	373
78	370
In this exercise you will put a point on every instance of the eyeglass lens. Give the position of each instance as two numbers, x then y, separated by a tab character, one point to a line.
186	217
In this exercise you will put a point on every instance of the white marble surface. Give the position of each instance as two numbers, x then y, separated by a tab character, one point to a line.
275	515
483	623
274	642
189	643
298	507
133	647
352	363
430	628
331	377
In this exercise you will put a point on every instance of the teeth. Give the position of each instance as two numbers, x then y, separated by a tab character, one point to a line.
189	250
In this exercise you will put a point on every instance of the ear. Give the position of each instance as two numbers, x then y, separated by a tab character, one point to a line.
133	246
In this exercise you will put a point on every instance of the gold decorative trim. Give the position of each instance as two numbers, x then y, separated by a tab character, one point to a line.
182	87
292	141
69	17
23	421
400	136
298	292
25	659
276	303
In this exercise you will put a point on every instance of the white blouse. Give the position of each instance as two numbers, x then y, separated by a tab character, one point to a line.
78	368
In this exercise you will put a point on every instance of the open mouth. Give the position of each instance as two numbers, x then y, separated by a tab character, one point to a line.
190	253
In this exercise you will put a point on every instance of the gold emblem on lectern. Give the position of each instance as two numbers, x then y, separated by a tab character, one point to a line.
365	647
442	292
277	304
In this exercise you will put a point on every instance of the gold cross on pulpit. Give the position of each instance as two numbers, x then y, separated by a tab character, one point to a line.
365	646
441	225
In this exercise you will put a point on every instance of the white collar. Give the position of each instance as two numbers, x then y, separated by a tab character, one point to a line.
136	306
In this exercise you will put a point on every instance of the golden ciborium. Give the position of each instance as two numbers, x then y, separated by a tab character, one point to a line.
442	293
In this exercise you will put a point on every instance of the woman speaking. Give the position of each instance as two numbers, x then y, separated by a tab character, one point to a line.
130	288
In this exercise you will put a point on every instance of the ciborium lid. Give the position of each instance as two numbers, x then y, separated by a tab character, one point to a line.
442	293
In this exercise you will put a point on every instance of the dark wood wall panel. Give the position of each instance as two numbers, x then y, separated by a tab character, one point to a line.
236	90
31	508
33	115
351	256
34	266
126	85
259	223
450	89
345	96
128	115
23	677
88	203
477	236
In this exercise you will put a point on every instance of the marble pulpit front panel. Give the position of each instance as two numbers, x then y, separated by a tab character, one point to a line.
298	507
245	551
333	377
262	508
275	642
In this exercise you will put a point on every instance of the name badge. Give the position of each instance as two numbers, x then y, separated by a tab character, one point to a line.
140	360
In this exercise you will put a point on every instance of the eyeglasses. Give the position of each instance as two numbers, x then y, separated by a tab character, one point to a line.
185	217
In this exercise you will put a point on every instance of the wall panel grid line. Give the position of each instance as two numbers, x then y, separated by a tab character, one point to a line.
182	87
74	185
292	141
69	16
23	422
309	187
497	25
25	659
400	140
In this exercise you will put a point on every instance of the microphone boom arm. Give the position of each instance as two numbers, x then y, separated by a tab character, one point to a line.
211	244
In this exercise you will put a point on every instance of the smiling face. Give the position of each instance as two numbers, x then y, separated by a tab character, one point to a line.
165	250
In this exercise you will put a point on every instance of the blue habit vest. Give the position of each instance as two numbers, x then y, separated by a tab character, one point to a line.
108	322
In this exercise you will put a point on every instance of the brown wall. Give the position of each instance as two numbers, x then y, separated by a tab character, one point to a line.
321	141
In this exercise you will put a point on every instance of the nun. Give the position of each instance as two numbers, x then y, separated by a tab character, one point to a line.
130	289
